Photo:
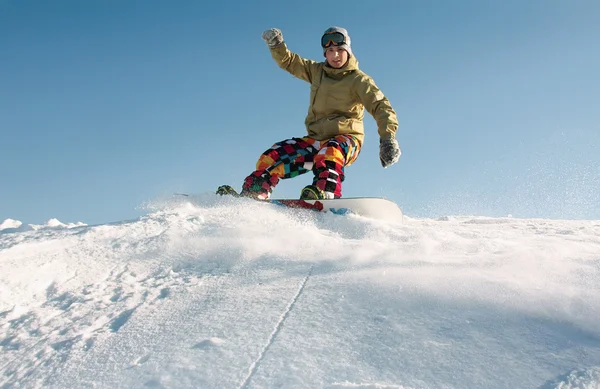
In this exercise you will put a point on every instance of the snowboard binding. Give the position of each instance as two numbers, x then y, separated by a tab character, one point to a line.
311	192
226	190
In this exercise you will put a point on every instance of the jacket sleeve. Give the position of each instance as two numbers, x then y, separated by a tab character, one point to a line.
378	106
293	63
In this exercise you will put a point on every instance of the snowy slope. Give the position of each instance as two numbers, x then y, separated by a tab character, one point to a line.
230	293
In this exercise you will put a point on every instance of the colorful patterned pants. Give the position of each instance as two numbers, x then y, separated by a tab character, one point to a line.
292	157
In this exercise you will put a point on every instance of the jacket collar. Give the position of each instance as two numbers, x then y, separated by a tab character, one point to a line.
337	74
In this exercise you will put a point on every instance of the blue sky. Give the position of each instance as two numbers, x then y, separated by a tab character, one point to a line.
105	105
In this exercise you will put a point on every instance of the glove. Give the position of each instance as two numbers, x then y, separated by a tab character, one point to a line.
389	151
273	37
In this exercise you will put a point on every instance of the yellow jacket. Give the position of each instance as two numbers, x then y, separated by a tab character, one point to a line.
338	97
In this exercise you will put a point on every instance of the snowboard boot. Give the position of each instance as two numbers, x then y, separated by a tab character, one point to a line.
224	190
259	185
256	195
311	192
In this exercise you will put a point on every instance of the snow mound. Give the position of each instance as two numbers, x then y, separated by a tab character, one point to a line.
55	223
578	379
10	224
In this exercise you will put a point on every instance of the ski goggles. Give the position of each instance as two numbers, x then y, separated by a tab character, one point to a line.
332	38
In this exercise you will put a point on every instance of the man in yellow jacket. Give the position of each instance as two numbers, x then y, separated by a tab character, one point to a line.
339	94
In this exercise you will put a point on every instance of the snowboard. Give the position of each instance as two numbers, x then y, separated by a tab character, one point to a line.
372	207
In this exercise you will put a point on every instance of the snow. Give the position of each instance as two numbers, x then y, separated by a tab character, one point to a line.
204	292
10	225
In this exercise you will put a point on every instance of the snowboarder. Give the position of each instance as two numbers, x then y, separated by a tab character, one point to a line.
339	94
